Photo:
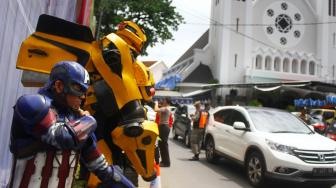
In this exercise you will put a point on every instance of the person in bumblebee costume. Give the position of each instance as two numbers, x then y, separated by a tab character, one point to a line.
119	84
50	133
114	56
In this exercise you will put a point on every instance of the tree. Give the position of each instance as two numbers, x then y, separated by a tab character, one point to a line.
158	18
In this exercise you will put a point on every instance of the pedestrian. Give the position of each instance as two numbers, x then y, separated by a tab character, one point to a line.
164	129
199	120
304	115
50	133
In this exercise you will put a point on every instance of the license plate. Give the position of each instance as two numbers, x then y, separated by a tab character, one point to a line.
323	171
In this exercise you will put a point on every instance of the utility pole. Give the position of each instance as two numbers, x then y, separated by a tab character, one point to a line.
101	12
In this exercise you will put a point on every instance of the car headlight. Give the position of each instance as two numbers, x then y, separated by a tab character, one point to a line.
280	147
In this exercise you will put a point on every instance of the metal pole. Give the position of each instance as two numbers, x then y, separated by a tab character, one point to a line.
99	24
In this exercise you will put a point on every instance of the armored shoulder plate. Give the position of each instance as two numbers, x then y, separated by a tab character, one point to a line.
31	109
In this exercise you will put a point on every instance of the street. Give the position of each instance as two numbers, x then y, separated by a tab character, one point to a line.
200	174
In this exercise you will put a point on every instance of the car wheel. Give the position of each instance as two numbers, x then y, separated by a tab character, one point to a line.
210	152
255	169
187	139
175	136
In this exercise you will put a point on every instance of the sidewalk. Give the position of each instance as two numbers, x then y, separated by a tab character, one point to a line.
142	183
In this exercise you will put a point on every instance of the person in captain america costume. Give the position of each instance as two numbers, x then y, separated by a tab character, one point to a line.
50	133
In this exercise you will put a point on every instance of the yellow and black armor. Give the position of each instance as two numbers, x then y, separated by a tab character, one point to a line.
119	83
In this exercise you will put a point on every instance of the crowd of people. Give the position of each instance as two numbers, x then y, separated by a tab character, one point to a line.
164	120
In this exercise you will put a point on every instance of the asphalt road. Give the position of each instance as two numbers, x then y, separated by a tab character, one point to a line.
200	174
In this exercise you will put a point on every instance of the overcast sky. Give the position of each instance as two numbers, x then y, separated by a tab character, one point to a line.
197	17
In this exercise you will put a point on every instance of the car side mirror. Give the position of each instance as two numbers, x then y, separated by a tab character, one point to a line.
240	126
312	128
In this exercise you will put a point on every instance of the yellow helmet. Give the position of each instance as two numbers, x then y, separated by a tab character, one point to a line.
145	80
132	34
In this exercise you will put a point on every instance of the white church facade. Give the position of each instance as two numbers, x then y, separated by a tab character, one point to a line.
272	40
258	41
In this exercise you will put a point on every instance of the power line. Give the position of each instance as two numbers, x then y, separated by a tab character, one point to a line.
214	22
263	25
255	24
192	13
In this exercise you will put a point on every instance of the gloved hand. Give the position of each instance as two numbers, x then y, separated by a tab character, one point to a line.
116	179
83	127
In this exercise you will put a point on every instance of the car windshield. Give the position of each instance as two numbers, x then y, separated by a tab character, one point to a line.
273	121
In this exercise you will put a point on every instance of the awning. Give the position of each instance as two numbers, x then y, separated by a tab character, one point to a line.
197	92
169	82
167	93
175	97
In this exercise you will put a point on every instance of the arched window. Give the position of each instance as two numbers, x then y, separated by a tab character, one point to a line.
268	63
277	62
311	67
285	64
258	63
295	66
303	67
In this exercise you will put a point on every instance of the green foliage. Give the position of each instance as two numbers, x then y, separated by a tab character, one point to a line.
290	108
158	18
213	81
254	102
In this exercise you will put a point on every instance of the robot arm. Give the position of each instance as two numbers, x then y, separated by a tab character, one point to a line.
111	176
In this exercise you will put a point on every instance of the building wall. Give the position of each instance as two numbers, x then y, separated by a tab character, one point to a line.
18	19
331	47
234	48
157	69
219	38
306	43
235	62
308	36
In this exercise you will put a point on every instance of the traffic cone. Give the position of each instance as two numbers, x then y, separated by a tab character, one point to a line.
156	183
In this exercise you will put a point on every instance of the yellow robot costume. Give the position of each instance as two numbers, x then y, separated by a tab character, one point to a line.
114	56
113	97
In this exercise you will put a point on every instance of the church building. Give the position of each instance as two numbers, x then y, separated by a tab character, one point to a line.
263	41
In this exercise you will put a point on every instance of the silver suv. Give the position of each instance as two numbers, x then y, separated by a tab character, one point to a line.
270	143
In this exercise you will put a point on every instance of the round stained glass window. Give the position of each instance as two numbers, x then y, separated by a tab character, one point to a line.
297	17
284	6
283	40
270	12
283	23
297	34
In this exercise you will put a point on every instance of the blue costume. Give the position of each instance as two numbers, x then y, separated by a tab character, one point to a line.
48	138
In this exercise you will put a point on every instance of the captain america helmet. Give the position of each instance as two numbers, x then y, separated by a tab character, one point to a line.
72	74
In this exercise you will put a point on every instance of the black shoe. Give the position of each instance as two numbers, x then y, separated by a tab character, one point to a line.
194	158
164	165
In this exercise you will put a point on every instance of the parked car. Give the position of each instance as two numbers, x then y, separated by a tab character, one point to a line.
319	125
314	121
172	110
328	114
182	123
270	143
331	131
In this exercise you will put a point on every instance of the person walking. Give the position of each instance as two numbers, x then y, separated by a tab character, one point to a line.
199	120
164	129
